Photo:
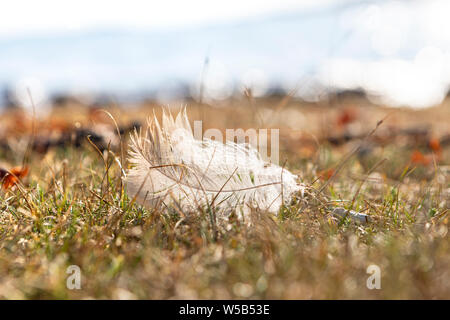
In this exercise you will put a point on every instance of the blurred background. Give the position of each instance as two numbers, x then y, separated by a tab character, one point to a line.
395	53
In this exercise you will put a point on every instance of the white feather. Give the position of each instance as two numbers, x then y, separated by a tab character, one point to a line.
170	166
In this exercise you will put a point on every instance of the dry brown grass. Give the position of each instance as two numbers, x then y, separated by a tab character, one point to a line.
72	210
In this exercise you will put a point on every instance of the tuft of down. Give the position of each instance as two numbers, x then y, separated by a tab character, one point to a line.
168	166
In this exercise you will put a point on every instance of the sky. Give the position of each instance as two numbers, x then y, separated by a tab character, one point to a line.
25	17
398	50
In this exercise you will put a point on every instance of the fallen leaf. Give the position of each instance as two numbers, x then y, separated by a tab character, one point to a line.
345	117
11	177
418	157
326	174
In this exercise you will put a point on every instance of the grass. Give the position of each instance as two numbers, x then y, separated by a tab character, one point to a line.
72	210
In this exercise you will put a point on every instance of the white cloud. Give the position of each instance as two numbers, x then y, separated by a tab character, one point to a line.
29	16
420	26
419	83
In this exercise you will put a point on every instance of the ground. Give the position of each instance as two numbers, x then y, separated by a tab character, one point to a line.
72	209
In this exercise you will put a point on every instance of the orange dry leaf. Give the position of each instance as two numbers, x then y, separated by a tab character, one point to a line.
418	157
326	174
345	117
10	178
435	145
